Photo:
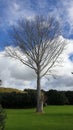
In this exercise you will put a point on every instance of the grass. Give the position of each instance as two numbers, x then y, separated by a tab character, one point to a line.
9	90
54	118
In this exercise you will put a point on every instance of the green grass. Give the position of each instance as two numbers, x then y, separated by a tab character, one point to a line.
9	90
54	118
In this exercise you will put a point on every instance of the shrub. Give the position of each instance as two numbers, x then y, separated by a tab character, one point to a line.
56	98
2	118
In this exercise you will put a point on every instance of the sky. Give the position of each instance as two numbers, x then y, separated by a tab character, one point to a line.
15	74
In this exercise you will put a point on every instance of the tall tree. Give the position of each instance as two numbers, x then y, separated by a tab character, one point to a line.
37	45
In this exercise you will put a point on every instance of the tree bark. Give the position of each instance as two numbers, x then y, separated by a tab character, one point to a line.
39	95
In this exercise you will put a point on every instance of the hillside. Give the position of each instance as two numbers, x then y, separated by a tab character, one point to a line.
3	89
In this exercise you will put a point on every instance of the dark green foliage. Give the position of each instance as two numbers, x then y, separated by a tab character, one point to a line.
18	100
0	82
32	93
2	118
69	95
28	99
56	98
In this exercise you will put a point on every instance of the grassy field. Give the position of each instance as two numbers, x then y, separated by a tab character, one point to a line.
54	118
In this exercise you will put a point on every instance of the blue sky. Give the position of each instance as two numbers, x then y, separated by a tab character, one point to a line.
13	10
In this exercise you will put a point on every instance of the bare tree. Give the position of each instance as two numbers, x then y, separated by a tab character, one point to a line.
37	45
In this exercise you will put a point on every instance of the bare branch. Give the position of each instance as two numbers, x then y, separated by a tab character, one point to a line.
38	45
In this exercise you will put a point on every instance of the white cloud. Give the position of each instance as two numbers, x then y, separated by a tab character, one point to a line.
14	10
63	76
17	9
67	15
68	4
15	74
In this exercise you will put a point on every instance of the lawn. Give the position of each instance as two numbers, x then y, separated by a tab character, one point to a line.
54	118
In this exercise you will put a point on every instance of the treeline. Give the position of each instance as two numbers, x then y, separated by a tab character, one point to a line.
28	99
55	97
17	100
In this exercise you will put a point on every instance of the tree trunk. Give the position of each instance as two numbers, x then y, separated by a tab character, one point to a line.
39	95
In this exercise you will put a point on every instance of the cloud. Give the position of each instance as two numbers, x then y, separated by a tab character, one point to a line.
14	74
68	7
11	11
67	17
63	75
61	83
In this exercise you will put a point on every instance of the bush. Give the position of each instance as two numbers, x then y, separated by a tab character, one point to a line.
2	118
69	95
56	98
